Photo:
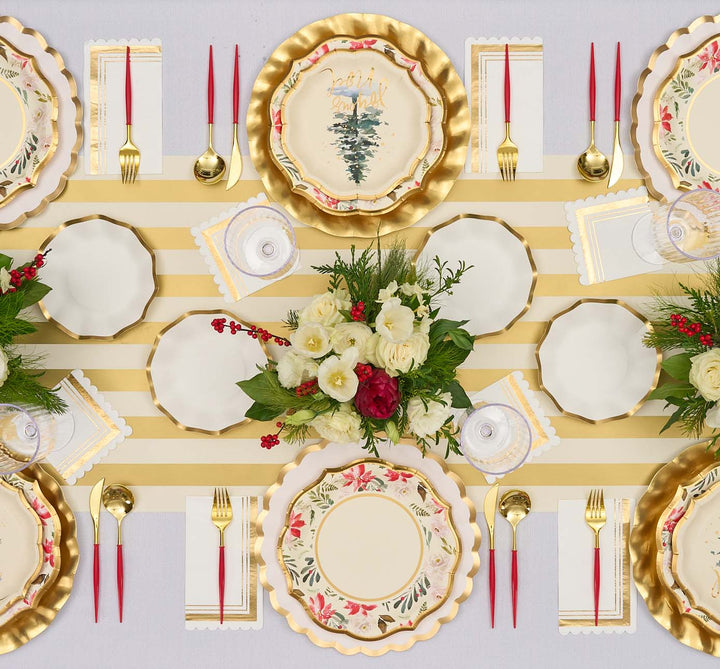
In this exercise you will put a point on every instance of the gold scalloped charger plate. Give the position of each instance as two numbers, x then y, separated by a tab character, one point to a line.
358	123
50	588
40	123
367	554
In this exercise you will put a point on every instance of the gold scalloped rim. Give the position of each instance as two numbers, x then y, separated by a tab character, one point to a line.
644	541
707	18
440	72
360	649
78	123
27	624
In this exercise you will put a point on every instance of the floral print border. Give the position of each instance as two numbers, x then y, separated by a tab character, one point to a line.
671	107
429	588
391	199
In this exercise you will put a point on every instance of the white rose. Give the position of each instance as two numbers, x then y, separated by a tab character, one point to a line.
294	369
312	340
712	417
412	289
342	426
401	358
426	422
370	352
336	375
4	371
325	308
395	321
347	335
384	294
705	374
4	280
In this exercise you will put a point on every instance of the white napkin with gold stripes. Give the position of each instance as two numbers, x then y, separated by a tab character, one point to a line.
243	591
576	542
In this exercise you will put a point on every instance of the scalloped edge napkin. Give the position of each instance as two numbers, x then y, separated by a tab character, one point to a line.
601	232
98	429
209	237
104	104
243	590
484	81
514	390
618	600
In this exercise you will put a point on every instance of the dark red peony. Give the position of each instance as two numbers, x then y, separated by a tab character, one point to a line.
378	395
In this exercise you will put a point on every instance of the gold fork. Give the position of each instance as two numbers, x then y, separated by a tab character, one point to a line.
507	153
596	517
221	518
129	153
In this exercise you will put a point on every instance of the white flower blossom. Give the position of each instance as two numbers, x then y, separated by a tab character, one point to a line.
312	340
395	321
385	294
425	422
336	375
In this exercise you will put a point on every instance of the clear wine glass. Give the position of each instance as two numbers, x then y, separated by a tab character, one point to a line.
27	435
684	231
260	242
496	438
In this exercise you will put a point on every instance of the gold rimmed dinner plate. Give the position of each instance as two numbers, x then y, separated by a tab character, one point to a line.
367	554
24	621
103	275
40	123
358	125
592	362
498	288
646	548
193	372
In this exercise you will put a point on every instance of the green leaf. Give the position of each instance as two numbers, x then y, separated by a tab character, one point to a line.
300	417
14	328
462	339
33	292
392	432
672	420
678	366
5	261
263	412
674	389
441	327
460	400
10	306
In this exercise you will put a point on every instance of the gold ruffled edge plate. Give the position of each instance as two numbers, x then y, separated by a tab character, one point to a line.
72	164
27	624
663	605
439	70
546	332
309	632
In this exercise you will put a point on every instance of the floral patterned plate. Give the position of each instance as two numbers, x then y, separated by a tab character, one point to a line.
685	134
29	556
357	125
367	554
29	110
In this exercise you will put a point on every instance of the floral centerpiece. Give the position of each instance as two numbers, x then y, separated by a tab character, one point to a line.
368	358
19	289
691	330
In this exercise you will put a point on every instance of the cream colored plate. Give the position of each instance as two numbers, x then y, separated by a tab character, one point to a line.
103	277
193	372
499	288
592	361
21	553
365	554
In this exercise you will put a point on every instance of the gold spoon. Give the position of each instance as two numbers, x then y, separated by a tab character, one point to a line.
514	506
592	164
210	167
119	501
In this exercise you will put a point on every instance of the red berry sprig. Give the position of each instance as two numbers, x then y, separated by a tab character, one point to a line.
25	273
690	329
308	388
220	324
363	371
270	440
358	311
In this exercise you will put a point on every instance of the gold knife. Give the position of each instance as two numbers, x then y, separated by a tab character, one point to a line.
617	159
95	500
235	157
489	507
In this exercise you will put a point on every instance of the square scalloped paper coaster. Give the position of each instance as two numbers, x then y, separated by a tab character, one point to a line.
514	390
104	80
601	232
243	591
210	238
98	429
484	80
618	600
